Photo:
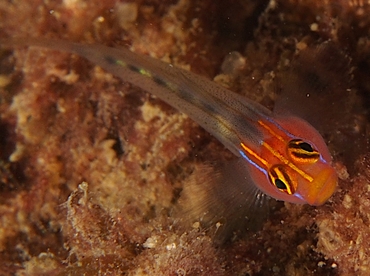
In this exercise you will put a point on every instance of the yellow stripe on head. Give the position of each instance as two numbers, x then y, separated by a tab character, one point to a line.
255	155
287	162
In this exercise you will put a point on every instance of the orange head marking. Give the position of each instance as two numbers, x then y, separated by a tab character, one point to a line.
293	162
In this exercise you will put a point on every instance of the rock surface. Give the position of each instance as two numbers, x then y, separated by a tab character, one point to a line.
91	166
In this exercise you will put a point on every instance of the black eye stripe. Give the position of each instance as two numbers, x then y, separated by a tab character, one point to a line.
285	175
305	155
301	145
273	173
280	178
302	152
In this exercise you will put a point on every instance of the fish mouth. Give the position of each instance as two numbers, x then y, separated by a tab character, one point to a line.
323	187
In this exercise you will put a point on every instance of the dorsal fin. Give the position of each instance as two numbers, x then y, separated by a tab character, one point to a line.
317	88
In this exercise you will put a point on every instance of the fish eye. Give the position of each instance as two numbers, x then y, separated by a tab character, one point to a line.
280	178
280	184
302	152
306	146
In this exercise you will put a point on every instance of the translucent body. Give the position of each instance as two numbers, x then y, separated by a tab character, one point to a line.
298	171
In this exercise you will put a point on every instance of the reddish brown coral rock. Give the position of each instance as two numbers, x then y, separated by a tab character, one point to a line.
90	167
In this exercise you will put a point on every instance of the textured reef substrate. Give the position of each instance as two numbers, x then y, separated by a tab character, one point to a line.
91	166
